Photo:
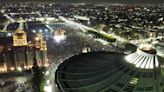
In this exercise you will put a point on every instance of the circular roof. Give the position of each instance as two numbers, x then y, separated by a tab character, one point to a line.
142	59
106	72
147	48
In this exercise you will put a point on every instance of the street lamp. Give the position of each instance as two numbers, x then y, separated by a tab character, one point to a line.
12	68
59	38
9	34
37	39
40	30
19	69
33	31
47	72
46	30
48	87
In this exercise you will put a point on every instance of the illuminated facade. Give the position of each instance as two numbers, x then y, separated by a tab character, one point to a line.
59	32
19	38
20	55
19	49
40	44
43	45
59	35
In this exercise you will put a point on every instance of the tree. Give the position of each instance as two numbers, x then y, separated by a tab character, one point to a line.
37	75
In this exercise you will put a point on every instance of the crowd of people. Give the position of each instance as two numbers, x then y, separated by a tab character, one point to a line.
74	43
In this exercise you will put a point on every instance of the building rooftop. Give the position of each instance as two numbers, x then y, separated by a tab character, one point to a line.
147	48
106	72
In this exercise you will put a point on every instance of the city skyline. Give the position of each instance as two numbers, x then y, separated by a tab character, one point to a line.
91	1
70	46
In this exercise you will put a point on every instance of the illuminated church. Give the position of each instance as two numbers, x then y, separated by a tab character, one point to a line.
20	55
141	71
19	38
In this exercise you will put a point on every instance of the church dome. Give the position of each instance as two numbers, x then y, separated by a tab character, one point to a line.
111	72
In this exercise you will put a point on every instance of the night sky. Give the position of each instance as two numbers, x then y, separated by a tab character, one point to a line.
94	1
